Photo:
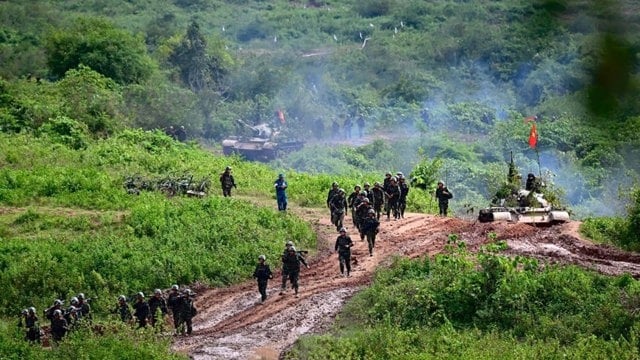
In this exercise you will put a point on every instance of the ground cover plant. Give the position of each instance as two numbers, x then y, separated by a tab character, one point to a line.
459	305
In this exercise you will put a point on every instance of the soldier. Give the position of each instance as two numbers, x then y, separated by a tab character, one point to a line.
227	181
360	123
186	312
72	316
31	324
332	192
291	265
59	326
172	303
48	313
122	309
287	246
367	189
353	201
343	247
281	192
443	195
402	200
385	185
83	305
262	273
181	134
141	310
392	192
378	198
361	213
335	129
156	302
347	127
338	206
370	228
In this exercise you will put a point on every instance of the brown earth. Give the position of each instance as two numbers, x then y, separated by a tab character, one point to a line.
232	324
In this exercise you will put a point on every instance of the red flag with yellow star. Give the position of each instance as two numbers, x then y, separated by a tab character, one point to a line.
533	136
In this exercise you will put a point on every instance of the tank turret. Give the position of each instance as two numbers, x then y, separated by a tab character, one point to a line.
266	144
513	203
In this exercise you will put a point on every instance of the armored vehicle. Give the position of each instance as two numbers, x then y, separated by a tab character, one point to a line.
527	205
265	145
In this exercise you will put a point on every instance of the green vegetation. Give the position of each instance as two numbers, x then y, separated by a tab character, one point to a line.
86	89
466	307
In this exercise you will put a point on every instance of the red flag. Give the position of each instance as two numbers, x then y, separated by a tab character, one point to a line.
281	116
533	136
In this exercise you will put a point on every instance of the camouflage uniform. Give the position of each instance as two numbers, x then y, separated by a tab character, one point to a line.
343	247
370	228
141	311
227	182
291	267
186	312
157	302
262	273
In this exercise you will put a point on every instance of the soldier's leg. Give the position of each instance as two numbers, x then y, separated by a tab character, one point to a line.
294	281
189	324
283	287
347	262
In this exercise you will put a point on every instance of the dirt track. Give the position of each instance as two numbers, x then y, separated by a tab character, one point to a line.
231	323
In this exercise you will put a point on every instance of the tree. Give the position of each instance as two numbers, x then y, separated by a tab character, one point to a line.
198	70
97	44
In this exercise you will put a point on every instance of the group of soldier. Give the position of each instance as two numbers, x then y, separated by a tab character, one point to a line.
292	261
62	319
179	303
228	182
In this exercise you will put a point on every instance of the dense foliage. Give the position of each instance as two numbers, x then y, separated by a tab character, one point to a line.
462	306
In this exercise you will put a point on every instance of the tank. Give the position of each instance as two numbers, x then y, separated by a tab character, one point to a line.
265	145
528	205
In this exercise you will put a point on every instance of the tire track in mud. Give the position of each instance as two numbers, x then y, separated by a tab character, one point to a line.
232	324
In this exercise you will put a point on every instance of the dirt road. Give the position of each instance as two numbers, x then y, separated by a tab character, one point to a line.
232	324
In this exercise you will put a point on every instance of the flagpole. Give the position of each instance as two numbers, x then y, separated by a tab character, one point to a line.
538	158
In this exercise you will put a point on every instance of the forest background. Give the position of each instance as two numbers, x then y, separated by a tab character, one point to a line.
445	86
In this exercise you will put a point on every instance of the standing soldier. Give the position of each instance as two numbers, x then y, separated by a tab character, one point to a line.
332	192
186	312
173	302
157	302
367	189
262	273
59	326
335	129
141	310
402	200
361	213
338	206
392	192
347	127
291	265
281	192
378	198
48	313
343	247
370	228
85	308
227	181
285	275
443	195
360	123
31	324
353	201
122	309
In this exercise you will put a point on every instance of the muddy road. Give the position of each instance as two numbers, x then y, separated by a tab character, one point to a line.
233	324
